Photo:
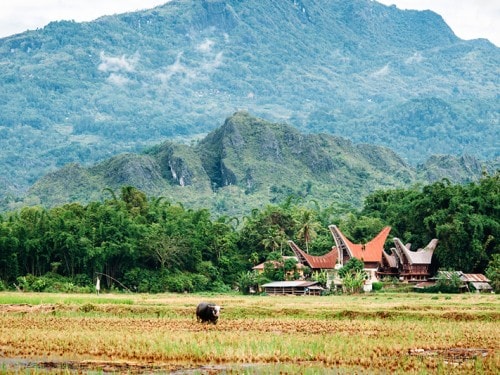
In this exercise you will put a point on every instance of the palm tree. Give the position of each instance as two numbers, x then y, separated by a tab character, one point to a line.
274	239
307	225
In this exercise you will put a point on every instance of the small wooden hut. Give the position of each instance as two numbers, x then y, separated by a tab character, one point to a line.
296	288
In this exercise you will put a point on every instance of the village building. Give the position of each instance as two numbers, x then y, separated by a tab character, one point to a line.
369	253
402	262
413	266
259	268
477	282
296	288
388	266
470	282
314	262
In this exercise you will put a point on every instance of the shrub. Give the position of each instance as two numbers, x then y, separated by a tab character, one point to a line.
178	283
142	281
220	287
493	272
247	281
83	280
200	282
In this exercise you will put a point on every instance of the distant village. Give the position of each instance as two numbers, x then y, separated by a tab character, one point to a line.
403	264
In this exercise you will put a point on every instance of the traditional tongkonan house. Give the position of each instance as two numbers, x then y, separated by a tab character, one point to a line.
413	265
403	263
388	266
315	263
370	253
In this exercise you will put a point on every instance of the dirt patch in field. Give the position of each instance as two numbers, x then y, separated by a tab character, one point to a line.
104	367
20	365
26	308
452	355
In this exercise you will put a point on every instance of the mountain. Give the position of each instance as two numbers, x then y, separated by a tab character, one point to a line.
246	163
461	169
84	92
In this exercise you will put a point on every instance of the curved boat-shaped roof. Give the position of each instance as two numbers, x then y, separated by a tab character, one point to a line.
369	252
421	256
326	261
390	259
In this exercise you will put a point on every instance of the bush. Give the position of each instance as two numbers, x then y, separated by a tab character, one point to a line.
493	272
179	283
200	282
142	281
83	280
247	282
377	285
50	283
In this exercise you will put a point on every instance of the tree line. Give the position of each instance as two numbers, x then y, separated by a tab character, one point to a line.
153	245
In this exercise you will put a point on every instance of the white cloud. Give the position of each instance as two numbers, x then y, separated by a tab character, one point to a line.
415	58
210	66
384	71
117	64
177	68
206	46
198	71
117	79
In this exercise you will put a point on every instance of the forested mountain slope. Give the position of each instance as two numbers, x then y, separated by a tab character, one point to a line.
244	164
83	92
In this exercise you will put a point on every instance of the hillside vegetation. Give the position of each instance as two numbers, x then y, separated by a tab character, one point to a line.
246	163
83	92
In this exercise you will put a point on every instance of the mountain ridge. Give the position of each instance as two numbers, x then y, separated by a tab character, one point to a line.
82	92
246	163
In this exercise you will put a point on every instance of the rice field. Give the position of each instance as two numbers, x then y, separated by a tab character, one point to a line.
138	333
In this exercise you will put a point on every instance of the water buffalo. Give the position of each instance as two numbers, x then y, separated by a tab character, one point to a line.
207	312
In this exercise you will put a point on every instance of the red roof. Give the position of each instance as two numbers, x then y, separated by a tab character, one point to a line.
369	252
327	260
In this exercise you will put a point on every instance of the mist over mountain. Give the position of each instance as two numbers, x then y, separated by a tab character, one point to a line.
84	92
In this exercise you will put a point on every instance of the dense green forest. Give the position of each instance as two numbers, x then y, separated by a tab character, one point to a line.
153	245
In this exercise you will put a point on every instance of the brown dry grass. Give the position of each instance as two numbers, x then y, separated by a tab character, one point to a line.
380	333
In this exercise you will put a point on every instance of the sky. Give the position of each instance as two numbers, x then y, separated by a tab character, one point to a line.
469	19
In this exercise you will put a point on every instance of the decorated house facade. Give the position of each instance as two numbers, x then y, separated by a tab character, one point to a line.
402	263
413	266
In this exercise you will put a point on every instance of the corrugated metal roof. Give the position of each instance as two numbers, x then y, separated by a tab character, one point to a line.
289	284
465	277
475	277
481	286
450	274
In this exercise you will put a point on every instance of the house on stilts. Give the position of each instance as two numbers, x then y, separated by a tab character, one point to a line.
402	263
413	266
